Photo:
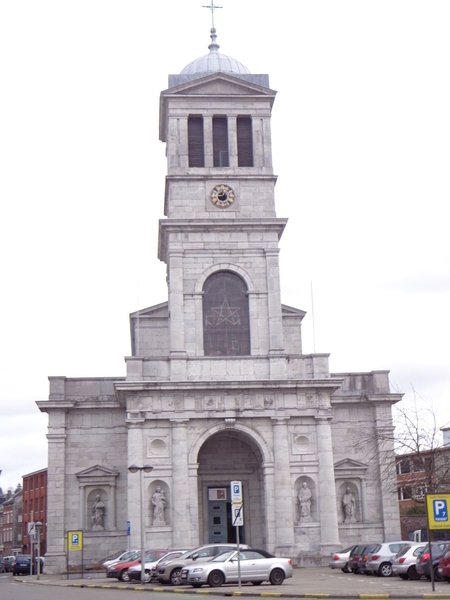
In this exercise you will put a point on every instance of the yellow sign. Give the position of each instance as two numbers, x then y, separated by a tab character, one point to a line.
438	506
74	540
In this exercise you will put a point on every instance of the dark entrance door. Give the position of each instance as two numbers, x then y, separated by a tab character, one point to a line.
220	526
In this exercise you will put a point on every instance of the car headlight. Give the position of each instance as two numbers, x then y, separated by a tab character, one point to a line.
197	570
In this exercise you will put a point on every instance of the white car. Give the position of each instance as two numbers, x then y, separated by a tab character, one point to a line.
150	567
121	557
254	566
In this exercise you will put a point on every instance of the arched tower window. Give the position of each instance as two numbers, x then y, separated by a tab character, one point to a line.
226	327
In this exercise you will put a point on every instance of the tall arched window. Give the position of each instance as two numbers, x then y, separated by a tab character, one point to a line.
226	327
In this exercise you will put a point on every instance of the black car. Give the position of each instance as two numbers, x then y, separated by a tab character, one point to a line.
423	560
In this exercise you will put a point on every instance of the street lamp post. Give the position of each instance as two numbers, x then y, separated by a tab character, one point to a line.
146	469
38	527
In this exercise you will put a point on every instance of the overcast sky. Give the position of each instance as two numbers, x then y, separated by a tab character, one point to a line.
361	130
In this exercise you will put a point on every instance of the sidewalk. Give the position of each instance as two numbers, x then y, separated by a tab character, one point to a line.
318	582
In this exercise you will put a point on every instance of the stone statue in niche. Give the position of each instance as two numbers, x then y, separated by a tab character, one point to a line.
349	506
159	506
305	499
98	514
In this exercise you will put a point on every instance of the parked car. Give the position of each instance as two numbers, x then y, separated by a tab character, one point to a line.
423	560
120	570
354	557
253	565
340	559
379	561
2	566
22	565
150	567
171	572
122	556
8	561
444	563
404	562
364	557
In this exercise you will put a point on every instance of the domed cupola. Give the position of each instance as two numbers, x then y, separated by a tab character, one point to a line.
214	62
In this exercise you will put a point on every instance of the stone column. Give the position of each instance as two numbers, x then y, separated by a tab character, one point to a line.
232	141
284	513
176	311
208	141
329	532
136	457
181	506
276	338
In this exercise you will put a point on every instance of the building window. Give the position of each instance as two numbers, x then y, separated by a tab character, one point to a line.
220	142
405	493
226	327
403	466
245	142
196	145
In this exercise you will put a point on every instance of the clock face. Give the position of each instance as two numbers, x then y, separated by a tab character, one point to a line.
222	195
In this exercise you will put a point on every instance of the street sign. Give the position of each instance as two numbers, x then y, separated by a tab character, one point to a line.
237	514
128	527
236	491
75	540
438	511
31	528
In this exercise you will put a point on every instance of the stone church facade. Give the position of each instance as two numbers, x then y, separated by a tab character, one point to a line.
217	387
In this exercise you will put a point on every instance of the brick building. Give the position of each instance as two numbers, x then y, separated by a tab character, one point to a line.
34	508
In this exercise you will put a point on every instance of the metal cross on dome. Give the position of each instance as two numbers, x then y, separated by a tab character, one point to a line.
212	7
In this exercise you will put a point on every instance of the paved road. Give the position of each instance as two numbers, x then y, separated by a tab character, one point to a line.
320	582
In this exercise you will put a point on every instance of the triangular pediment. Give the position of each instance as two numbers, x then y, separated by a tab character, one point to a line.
290	311
349	464
219	83
160	311
97	471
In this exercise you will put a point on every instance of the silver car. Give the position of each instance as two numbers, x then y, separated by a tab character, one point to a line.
404	562
171	572
339	560
379	561
254	566
151	567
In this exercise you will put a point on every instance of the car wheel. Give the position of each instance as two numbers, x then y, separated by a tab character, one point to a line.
216	579
256	582
345	569
385	570
437	575
124	576
147	577
276	577
412	573
175	577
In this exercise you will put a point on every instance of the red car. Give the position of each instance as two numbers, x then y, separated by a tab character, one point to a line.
444	564
120	570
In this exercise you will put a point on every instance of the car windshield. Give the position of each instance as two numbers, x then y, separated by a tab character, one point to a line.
151	556
223	556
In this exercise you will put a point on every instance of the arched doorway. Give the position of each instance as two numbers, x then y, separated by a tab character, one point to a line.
224	457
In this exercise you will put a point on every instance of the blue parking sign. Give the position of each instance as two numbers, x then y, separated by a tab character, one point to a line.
440	510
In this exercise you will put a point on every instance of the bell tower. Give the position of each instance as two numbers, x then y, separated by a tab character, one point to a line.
220	238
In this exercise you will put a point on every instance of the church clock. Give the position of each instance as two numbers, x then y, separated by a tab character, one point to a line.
222	195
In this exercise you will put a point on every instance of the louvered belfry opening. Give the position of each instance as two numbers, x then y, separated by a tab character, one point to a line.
226	325
245	142
220	142
196	145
